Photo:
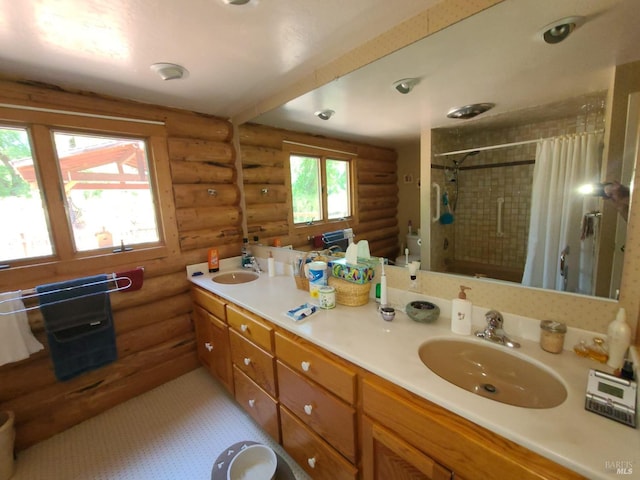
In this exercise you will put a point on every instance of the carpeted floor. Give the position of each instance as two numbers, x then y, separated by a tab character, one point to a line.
173	432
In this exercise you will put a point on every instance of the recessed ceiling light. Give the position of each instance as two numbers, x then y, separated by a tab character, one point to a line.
236	2
169	71
559	30
469	111
324	114
405	85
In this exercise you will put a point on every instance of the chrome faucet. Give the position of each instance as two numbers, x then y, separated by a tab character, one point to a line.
251	262
494	331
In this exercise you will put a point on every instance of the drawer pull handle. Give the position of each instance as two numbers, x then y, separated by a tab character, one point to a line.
247	361
244	327
308	409
252	403
312	462
208	346
305	366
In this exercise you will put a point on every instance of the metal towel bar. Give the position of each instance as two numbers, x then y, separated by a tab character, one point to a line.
122	283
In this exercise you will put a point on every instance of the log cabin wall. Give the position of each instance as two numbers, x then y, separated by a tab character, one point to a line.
195	160
154	330
264	153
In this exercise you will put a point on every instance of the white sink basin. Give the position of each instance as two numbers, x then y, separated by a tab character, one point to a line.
493	372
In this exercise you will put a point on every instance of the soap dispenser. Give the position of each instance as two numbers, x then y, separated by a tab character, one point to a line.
618	339
461	310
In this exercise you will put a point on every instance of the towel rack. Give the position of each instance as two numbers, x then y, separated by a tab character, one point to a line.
122	282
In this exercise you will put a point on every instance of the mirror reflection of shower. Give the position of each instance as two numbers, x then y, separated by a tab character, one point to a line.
451	176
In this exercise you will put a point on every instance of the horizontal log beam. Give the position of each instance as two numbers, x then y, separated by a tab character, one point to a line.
201	172
197	150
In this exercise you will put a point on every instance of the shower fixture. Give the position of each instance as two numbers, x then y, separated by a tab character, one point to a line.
469	111
469	154
452	174
559	30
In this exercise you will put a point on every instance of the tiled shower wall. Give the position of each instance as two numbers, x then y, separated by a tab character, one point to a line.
483	179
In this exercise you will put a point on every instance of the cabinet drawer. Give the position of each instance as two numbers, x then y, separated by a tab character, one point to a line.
327	415
253	361
209	301
318	367
257	403
317	458
251	327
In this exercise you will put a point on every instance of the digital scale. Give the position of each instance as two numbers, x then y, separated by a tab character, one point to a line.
612	397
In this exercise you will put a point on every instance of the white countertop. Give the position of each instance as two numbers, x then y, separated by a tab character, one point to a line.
568	434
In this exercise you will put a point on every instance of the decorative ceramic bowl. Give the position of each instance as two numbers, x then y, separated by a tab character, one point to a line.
421	311
256	462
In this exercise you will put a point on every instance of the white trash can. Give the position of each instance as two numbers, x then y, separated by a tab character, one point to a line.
7	439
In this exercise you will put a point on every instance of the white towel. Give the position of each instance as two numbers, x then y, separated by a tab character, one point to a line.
16	340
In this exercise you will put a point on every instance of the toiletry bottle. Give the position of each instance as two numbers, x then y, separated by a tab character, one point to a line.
383	285
213	260
461	310
244	259
271	265
618	340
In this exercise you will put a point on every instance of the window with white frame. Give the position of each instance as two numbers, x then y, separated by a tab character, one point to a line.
320	188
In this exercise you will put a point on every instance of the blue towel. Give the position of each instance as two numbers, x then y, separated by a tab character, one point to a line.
335	239
79	324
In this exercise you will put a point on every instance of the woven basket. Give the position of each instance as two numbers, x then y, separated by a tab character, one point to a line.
350	294
302	282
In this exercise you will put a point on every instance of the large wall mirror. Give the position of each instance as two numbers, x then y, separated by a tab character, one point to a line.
540	91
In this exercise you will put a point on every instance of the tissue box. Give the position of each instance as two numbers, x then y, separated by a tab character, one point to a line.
361	273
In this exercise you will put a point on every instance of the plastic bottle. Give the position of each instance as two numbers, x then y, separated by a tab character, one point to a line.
461	310
213	260
383	285
618	339
244	260
271	265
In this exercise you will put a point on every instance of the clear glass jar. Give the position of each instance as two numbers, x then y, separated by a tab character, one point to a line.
552	336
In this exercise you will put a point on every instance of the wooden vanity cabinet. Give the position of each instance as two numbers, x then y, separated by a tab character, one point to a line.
419	436
212	336
335	418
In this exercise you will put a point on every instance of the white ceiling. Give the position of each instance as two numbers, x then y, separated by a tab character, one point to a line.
235	55
495	56
239	55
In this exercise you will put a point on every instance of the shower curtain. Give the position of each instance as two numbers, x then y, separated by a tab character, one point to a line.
557	209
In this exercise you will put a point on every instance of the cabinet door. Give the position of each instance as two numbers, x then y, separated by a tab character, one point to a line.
212	339
387	456
204	340
221	363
